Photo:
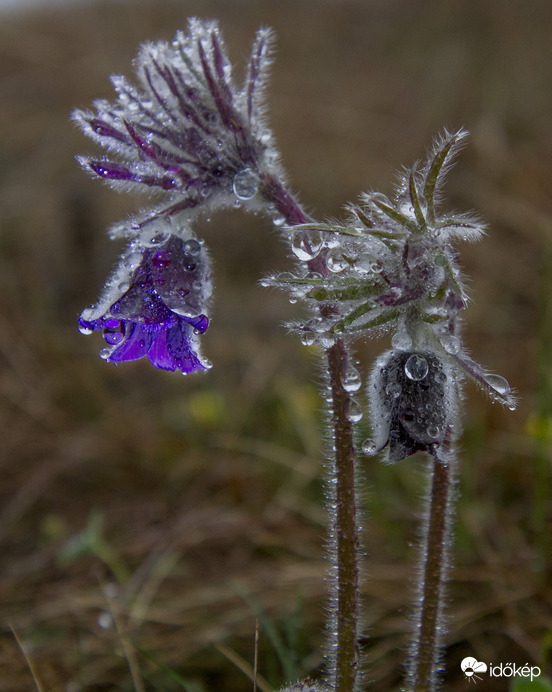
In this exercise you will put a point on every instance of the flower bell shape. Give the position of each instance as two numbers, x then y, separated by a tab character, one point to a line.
413	404
156	302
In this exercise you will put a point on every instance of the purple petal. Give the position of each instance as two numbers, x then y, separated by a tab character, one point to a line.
172	350
137	343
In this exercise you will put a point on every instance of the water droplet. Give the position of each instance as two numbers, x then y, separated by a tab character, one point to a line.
451	344
401	341
278	220
376	267
151	237
113	335
246	184
308	338
327	340
192	247
188	263
352	380
363	264
105	353
369	448
306	246
499	384
83	329
416	367
433	431
355	411
336	262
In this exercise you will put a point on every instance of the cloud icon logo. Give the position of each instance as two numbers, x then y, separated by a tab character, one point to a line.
471	667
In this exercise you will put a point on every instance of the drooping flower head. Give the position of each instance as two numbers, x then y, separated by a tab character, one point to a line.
186	131
156	303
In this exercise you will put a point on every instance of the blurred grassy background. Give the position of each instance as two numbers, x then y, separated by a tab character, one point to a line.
139	507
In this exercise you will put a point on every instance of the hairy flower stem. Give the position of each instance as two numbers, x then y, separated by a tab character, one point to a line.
428	626
344	549
344	530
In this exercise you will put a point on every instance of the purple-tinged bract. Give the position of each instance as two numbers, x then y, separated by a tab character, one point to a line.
155	304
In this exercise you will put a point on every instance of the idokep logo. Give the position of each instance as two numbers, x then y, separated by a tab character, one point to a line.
473	670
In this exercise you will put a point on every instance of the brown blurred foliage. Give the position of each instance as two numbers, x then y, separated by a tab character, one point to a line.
140	509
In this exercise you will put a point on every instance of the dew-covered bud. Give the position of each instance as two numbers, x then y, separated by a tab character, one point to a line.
413	404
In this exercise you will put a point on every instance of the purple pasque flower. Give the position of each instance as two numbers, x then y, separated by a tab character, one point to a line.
186	131
155	303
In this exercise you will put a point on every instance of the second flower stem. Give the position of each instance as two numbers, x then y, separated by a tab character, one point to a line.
428	625
344	532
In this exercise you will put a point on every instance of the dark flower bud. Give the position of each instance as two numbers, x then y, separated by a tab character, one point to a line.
413	404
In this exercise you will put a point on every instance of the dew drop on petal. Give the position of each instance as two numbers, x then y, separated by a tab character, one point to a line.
308	338
105	353
245	184
83	329
416	367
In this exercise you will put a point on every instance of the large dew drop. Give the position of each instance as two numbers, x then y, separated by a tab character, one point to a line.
355	411
352	381
336	262
499	384
246	184
416	367
306	246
